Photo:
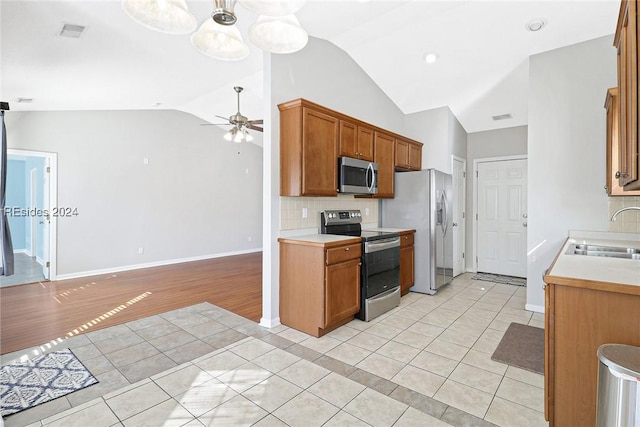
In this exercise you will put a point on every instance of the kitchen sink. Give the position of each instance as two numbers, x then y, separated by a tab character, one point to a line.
604	251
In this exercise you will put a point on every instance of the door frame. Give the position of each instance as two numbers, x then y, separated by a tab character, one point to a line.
462	226
475	197
52	160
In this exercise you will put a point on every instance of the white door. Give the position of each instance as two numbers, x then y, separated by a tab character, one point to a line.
459	194
502	217
46	220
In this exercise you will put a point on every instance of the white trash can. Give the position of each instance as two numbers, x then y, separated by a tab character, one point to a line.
618	386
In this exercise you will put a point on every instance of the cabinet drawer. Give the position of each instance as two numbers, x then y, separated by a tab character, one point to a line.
343	253
406	239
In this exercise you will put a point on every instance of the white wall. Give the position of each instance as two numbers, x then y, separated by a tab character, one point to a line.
324	74
566	149
480	145
442	135
199	195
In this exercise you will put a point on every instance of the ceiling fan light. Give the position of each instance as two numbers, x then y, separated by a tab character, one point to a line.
239	136
248	136
273	7
167	16
278	34
230	134
220	41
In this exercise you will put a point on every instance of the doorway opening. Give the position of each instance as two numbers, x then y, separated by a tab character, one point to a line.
30	202
458	168
500	210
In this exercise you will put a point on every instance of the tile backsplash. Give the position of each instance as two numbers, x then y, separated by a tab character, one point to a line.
627	222
291	209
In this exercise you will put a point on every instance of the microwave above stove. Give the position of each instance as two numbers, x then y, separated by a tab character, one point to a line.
357	176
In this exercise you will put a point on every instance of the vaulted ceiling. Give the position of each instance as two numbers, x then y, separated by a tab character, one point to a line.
482	71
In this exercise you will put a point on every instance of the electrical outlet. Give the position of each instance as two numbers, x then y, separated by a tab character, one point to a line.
140	250
305	213
366	211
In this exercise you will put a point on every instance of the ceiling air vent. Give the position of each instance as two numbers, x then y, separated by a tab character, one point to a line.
502	117
25	100
72	31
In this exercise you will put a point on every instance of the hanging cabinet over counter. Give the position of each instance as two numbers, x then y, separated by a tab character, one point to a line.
626	42
312	138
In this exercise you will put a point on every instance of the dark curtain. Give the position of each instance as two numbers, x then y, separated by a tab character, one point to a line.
6	249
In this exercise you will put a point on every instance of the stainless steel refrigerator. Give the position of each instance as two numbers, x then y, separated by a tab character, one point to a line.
422	201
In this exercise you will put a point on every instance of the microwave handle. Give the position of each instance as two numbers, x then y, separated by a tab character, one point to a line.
373	178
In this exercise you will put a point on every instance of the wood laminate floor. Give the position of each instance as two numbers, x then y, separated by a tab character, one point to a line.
37	313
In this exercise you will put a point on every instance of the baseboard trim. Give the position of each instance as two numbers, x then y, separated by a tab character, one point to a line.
152	264
22	251
536	308
270	323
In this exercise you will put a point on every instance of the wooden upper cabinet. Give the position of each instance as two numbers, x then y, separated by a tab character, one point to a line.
626	42
384	148
308	151
356	141
415	157
612	105
408	155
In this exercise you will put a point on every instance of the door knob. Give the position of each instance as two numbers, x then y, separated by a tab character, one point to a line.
524	215
524	224
455	224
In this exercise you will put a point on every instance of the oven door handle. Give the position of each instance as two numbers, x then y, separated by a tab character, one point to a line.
385	294
381	245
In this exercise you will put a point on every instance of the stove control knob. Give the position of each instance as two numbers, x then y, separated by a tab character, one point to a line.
359	214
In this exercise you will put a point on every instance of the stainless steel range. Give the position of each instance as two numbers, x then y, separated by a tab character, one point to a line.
380	272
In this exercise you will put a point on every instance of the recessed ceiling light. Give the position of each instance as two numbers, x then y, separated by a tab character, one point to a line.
535	24
431	57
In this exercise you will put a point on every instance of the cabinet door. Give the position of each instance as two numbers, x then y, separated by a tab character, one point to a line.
348	139
626	41
319	154
365	143
384	147
612	106
406	268
342	291
415	157
402	154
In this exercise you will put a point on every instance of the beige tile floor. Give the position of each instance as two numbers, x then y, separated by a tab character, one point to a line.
425	363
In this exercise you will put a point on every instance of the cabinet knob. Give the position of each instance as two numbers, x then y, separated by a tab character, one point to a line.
346	249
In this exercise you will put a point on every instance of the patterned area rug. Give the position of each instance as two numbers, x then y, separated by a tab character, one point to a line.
25	384
498	278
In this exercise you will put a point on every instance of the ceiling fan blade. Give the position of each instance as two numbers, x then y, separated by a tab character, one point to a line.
223	118
253	127
256	122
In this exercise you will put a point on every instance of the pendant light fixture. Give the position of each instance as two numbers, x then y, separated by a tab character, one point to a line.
278	34
167	16
276	30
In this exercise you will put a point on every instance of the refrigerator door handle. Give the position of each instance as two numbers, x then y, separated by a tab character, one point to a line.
445	219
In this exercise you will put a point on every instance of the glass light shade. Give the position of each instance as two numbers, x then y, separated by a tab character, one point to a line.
248	136
273	7
239	137
278	35
167	16
220	41
231	134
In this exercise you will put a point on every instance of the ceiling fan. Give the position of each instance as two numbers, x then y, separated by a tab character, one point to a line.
240	123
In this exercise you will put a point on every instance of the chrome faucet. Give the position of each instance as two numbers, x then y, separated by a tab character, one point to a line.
630	208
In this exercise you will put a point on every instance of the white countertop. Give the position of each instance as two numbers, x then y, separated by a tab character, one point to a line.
600	269
319	238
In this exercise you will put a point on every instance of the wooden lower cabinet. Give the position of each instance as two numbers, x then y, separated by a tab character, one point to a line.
407	260
319	284
580	316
